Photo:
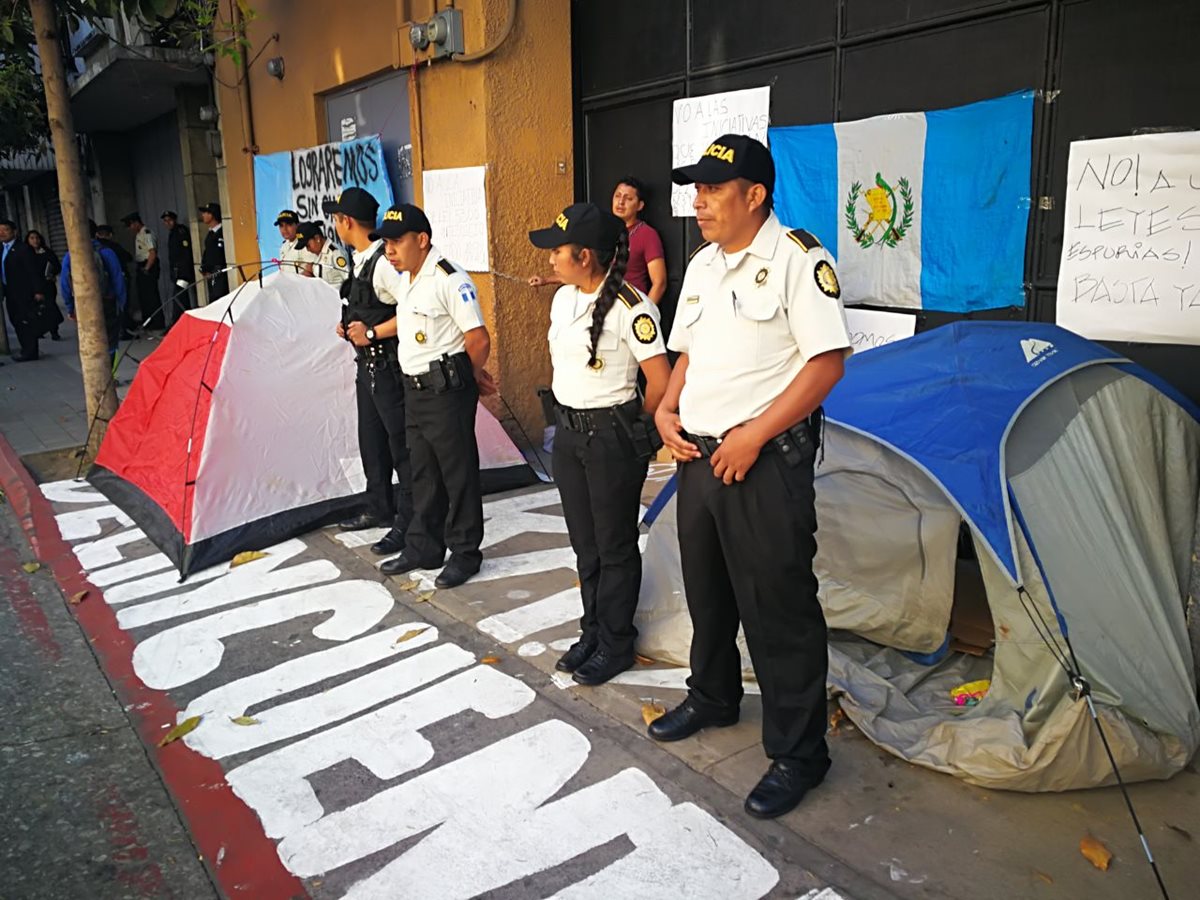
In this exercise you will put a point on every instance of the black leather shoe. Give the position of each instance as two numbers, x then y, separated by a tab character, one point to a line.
685	720
580	652
361	522
453	575
399	565
601	667
392	542
783	787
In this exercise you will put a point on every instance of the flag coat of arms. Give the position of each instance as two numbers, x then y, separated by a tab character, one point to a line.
925	210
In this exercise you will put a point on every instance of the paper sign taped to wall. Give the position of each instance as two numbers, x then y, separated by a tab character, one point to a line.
871	328
456	204
1130	266
697	121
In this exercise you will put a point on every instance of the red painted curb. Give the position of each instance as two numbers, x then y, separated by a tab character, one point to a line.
221	825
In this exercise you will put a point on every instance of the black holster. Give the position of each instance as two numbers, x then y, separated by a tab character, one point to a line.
640	428
801	440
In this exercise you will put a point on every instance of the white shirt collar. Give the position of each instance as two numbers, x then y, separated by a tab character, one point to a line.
763	246
216	227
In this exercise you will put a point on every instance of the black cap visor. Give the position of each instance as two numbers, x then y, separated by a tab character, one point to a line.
549	238
707	171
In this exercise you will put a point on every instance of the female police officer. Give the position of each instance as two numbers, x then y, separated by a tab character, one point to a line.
601	330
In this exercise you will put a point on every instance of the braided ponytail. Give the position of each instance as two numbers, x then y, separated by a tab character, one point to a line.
619	257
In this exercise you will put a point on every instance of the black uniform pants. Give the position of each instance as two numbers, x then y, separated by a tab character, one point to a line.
218	286
381	443
600	478
747	551
447	496
148	297
25	323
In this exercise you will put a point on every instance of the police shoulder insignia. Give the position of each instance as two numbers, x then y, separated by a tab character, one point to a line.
826	280
692	255
628	296
341	262
446	266
804	239
644	329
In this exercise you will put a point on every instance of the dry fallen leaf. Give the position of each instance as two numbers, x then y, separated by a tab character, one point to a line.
409	585
490	660
187	725
1183	832
643	660
244	720
246	556
1095	852
426	597
1043	876
651	711
409	635
836	720
31	567
78	598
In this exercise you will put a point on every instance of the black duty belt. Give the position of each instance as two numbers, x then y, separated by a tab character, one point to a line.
450	373
589	420
789	442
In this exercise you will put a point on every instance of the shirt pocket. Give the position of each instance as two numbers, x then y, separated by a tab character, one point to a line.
762	313
687	314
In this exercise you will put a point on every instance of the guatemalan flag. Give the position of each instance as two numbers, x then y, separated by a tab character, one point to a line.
922	210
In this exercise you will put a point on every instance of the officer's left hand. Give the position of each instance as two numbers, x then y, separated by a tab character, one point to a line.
358	334
487	384
738	452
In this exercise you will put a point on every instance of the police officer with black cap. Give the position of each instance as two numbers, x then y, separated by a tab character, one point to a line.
179	259
327	260
212	258
443	347
292	255
762	338
602	332
145	255
369	322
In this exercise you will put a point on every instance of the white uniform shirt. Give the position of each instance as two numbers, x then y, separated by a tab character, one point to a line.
331	266
143	242
291	258
749	321
631	335
441	307
388	283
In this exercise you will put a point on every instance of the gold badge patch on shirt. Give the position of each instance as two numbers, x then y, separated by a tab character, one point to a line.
341	262
596	365
761	277
420	336
827	280
644	329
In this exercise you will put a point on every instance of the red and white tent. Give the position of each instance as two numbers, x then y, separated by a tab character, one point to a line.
240	429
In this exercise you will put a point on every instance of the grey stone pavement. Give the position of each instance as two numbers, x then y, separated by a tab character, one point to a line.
878	827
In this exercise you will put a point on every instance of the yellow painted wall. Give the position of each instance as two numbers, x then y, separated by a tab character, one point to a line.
510	111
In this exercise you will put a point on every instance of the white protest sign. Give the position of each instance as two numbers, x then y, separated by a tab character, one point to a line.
871	328
1130	265
456	205
697	121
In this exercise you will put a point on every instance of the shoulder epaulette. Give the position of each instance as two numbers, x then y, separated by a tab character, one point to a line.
804	240
692	255
628	296
446	266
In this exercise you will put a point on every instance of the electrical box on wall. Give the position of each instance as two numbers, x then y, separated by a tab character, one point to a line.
442	35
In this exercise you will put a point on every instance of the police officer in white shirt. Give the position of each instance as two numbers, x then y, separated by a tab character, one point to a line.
327	260
292	256
371	294
762	338
602	330
443	347
145	256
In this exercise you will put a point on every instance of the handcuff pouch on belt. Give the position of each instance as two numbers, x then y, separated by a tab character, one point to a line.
801	439
637	425
450	373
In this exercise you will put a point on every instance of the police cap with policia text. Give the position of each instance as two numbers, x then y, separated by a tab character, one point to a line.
402	219
306	232
354	202
584	224
288	217
728	157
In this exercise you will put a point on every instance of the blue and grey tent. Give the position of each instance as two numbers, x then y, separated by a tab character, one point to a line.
1076	475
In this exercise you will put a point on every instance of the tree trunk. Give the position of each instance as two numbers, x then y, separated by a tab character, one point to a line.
98	387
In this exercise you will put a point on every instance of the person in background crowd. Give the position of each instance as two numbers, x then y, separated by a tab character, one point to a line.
327	260
602	330
49	266
371	295
22	282
147	266
292	254
180	261
443	346
212	259
113	293
647	268
762	339
106	237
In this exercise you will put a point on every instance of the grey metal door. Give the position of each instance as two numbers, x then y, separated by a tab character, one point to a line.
378	106
157	167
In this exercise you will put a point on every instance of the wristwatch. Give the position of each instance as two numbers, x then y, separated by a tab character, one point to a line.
370	334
